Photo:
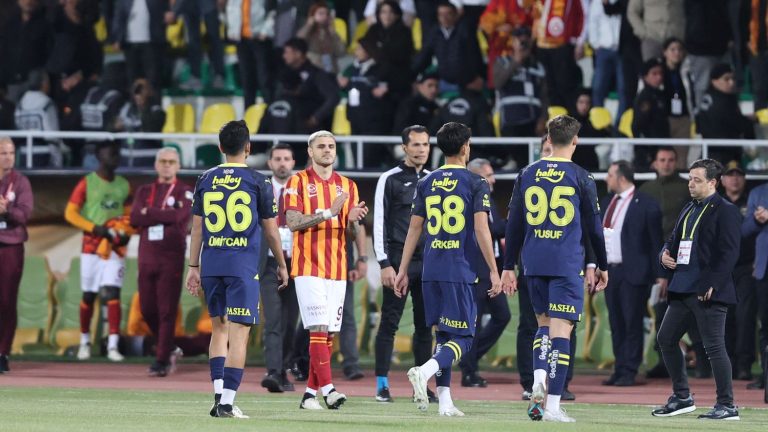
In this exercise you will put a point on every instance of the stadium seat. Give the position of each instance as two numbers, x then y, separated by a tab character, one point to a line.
762	116
135	324
130	287
174	34
556	110
625	123
207	155
416	33
100	30
341	124
600	118
215	116
253	116
179	118
497	123
360	31
482	41
599	347
341	29
34	307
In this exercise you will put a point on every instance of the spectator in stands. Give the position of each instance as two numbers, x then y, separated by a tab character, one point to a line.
369	108
193	12
289	17
26	40
454	45
651	111
420	107
604	35
470	108
741	323
16	204
395	44
471	11
254	35
758	47
707	37
318	93
325	45
408	8
77	56
498	21
281	116
585	155
7	109
281	308
161	213
37	112
522	93
629	50
677	90
142	113
560	33
138	28
656	21
720	116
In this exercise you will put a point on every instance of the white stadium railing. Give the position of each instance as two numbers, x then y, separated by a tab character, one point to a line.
618	148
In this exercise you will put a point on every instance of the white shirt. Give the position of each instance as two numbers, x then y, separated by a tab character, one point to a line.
138	22
408	7
613	234
286	238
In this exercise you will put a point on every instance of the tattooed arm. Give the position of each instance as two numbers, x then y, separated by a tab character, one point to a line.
298	221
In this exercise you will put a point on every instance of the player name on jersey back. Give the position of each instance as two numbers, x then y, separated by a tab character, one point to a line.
232	199
448	199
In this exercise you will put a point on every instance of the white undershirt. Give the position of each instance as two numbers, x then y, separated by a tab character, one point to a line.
613	236
138	23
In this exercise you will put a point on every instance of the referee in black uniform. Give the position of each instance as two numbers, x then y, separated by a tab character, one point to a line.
699	257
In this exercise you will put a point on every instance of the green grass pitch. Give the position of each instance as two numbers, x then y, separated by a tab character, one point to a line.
43	409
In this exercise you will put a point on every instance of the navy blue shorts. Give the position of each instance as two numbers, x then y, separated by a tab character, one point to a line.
235	297
450	306
557	296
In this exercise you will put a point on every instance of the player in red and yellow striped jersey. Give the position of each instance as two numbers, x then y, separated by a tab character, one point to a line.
322	208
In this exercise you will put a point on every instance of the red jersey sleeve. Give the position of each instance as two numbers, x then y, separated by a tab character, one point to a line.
79	193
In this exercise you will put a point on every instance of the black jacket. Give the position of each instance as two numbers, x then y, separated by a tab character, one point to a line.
470	108
716	241
651	112
75	48
395	46
720	117
368	115
458	57
414	110
498	226
317	96
392	214
24	46
157	9
707	29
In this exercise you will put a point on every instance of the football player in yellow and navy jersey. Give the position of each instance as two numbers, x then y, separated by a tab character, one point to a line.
454	203
553	211
232	204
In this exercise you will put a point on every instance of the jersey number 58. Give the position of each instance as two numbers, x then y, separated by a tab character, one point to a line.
450	219
236	208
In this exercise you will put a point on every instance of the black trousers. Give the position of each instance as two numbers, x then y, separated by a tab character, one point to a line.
759	68
255	60
741	322
348	332
281	311
487	335
710	320
391	311
192	18
145	60
563	74
526	332
626	309
762	313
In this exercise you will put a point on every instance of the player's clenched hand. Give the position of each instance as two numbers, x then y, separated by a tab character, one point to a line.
602	280
193	281
589	278
667	261
338	203
401	284
282	274
358	212
388	277
509	282
496	287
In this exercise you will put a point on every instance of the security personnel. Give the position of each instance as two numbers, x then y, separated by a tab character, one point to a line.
699	257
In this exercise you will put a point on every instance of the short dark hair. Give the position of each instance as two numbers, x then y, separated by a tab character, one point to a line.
624	169
395	6
665	148
279	146
712	168
562	129
447	4
670	40
452	136
233	137
406	135
297	44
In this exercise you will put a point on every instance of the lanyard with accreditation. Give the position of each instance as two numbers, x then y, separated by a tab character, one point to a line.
157	232
684	251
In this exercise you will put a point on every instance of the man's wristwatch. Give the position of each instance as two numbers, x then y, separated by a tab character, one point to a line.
362	258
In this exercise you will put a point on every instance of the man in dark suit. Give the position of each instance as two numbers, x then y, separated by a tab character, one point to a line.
139	30
633	236
700	257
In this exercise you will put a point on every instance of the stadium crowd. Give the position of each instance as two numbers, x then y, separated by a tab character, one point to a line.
496	66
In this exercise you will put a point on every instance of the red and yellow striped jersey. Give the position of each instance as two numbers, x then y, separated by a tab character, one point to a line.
321	250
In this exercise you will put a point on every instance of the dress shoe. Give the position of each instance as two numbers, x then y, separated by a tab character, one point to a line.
611	380
286	385
625	382
353	374
273	383
298	374
756	385
658	371
567	395
744	375
473	380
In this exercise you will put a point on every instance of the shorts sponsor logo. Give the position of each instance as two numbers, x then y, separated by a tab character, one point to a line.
234	311
319	311
445	244
228	182
453	323
222	241
558	307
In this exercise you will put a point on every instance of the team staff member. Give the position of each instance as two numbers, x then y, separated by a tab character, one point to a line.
15	208
321	207
162	211
96	206
699	257
281	309
391	217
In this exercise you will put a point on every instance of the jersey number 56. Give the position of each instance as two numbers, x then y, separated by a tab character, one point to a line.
235	212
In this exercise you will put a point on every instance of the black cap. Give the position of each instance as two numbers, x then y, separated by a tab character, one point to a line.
522	31
719	70
733	167
429	74
650	64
